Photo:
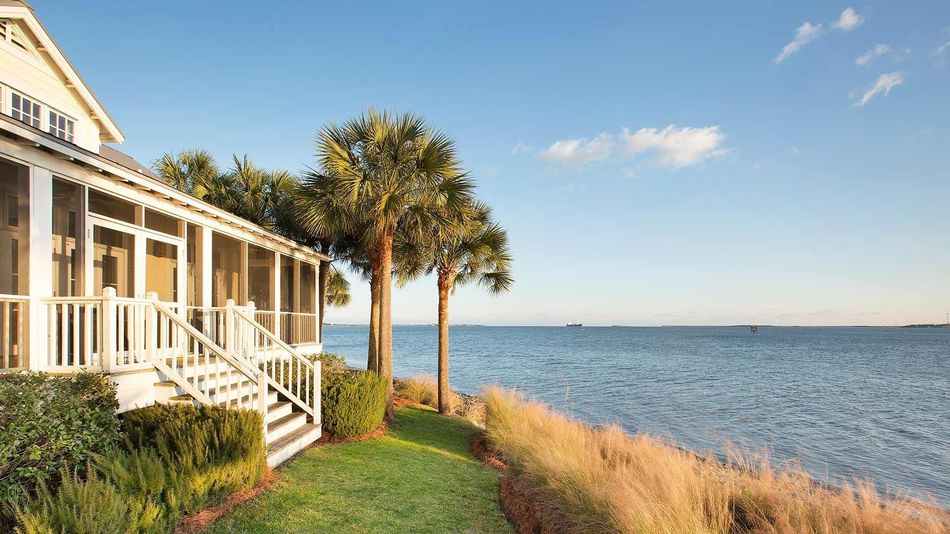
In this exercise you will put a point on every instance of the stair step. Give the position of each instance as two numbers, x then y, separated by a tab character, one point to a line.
252	400
285	425
279	409
284	448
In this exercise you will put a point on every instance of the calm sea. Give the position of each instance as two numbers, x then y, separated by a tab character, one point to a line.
846	402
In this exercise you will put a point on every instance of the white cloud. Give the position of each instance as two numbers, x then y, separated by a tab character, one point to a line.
804	34
877	51
941	49
881	86
579	152
849	20
520	148
675	147
794	151
671	147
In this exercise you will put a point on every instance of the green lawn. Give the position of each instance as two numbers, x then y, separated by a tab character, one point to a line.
419	477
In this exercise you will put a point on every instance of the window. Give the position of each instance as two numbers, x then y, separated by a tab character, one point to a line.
25	110
61	126
110	206
160	222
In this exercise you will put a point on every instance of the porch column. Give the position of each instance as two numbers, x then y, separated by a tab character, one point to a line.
138	259
205	267
275	291
295	320
39	275
323	275
243	286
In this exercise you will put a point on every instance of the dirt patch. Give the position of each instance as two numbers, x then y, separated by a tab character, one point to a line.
200	522
328	440
483	450
402	402
519	508
516	503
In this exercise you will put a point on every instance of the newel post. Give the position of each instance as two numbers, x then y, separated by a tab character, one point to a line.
248	335
229	325
262	399
108	349
151	326
316	392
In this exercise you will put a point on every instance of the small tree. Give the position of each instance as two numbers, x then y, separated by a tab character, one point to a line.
468	247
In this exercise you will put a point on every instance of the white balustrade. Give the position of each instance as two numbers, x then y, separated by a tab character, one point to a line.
12	334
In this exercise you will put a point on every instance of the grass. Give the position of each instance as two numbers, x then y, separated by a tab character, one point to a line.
582	479
420	389
419	477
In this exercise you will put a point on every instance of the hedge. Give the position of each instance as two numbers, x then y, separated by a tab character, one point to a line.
354	403
49	424
176	460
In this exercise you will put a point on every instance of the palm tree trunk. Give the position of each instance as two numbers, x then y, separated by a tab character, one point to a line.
385	353
372	357
445	400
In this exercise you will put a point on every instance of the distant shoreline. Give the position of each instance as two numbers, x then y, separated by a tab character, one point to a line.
467	325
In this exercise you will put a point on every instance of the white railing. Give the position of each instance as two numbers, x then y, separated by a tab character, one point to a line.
298	328
106	333
195	366
13	309
294	376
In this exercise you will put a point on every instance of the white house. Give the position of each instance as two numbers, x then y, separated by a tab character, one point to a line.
105	268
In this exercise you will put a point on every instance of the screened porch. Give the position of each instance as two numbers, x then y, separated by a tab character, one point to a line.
77	260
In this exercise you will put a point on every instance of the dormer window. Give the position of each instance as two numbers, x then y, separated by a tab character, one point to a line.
61	126
25	110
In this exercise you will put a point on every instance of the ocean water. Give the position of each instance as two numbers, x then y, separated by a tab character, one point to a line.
844	402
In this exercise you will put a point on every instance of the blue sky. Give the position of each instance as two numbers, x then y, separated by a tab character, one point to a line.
655	162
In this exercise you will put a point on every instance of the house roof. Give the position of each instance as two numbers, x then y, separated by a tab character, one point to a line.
19	10
127	169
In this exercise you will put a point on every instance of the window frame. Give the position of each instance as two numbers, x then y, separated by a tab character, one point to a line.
15	110
69	133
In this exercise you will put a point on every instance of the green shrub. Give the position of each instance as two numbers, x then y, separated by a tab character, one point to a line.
194	438
353	403
176	460
215	451
330	362
88	505
50	424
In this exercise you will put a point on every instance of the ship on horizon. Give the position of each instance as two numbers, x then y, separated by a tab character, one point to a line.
575	324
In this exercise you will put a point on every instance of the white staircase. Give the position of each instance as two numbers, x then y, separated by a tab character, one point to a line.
251	371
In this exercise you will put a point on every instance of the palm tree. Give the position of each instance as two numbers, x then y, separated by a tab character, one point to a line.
471	248
338	289
380	174
193	171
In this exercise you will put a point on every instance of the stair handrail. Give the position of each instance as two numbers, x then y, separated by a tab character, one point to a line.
257	376
240	364
311	383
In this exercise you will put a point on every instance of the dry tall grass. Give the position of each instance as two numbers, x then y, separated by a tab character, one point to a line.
420	389
581	479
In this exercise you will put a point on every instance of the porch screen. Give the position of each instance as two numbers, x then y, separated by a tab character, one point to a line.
226	269
14	225
161	270
308	287
14	214
67	245
194	273
260	268
113	261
